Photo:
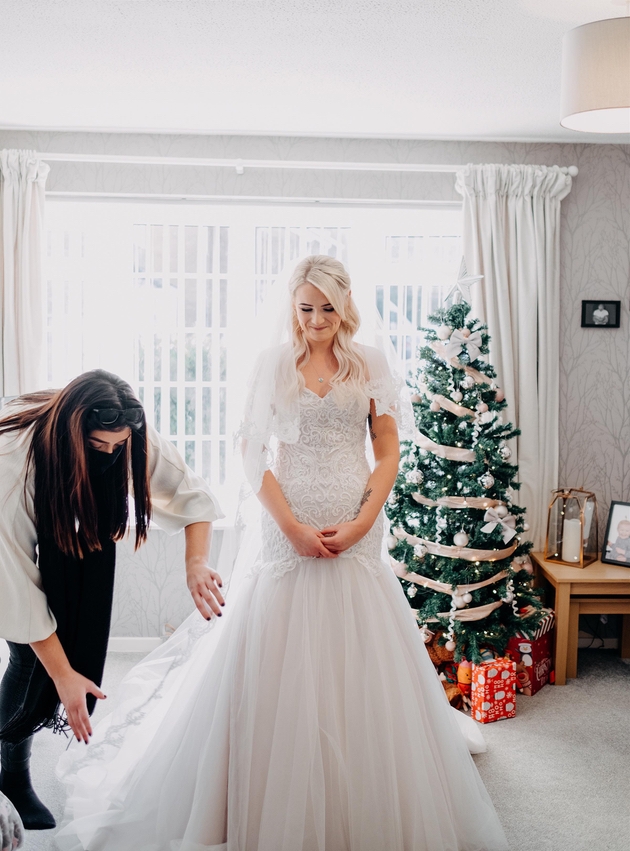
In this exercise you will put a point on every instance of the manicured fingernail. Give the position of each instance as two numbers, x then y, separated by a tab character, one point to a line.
223	604
219	614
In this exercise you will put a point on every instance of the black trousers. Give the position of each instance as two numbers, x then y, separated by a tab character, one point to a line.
13	689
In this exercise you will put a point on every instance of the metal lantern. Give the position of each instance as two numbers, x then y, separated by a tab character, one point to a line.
572	527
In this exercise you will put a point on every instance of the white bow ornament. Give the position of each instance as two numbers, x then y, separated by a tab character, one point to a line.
457	341
493	520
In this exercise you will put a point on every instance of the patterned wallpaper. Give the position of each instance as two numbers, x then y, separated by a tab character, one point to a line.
595	250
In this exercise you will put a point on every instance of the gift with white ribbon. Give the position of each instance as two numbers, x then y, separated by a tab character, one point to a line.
493	520
459	341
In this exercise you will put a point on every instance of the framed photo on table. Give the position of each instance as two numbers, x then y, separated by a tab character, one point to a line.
600	314
617	539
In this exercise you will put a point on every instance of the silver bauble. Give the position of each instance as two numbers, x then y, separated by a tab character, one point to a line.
486	481
504	451
468	382
419	550
414	477
412	591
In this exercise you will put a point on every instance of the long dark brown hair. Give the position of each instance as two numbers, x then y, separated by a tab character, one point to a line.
61	421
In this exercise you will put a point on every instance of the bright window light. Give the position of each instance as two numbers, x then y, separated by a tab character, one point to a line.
163	294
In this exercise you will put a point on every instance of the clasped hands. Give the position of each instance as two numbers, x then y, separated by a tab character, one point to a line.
325	543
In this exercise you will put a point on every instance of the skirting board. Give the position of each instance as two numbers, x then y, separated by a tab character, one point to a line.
132	644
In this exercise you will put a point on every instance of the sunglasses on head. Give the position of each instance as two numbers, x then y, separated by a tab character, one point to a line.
110	418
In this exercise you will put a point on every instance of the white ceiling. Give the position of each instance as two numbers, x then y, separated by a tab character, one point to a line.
486	69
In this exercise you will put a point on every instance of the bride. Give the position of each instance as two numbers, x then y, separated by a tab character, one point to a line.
311	719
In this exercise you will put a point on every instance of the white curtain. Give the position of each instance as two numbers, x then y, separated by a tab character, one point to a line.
22	190
512	237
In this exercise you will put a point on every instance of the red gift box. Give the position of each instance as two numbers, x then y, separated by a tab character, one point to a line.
533	657
493	691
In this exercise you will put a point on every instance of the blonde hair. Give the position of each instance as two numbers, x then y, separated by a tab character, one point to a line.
332	280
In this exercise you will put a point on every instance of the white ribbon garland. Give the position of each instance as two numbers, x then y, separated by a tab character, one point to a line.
401	570
465	553
493	520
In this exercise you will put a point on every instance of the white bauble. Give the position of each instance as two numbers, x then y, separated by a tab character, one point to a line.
486	481
460	539
467	597
450	646
525	527
499	395
468	382
458	601
435	407
482	407
463	425
465	332
501	510
416	398
444	332
414	477
456	396
419	550
412	591
391	542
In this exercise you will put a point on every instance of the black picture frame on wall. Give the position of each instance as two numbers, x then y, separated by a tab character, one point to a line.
616	548
599	313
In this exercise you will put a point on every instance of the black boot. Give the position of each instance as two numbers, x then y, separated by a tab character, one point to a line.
15	782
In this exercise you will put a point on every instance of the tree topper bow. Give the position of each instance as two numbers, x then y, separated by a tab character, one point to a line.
457	341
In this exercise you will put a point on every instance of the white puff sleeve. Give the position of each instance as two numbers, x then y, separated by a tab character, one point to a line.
24	613
389	392
179	497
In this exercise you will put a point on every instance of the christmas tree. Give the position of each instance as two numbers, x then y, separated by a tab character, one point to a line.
456	537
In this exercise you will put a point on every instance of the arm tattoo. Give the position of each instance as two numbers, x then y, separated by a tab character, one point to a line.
371	430
365	498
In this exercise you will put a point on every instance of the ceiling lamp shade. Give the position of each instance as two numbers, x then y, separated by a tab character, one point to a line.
596	77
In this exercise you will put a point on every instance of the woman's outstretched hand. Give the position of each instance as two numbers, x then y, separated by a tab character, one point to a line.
73	689
205	586
342	536
309	542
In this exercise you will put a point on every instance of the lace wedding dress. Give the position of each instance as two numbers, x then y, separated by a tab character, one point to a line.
310	719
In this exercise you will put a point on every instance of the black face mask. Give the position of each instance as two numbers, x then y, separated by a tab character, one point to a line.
99	462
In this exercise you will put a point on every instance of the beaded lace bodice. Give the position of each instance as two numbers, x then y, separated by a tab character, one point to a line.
323	477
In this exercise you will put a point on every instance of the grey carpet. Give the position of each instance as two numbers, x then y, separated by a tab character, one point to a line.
559	773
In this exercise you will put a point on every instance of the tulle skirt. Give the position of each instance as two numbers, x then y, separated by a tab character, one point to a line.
309	718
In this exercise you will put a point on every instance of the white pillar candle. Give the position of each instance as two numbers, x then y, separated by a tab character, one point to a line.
571	540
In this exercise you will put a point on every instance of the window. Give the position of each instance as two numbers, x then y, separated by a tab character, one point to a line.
163	295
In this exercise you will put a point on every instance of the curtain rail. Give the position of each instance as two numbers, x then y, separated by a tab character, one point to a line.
241	164
255	200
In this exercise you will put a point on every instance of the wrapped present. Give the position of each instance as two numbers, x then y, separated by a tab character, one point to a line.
533	657
493	690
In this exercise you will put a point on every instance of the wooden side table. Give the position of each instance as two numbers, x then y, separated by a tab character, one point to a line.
605	581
